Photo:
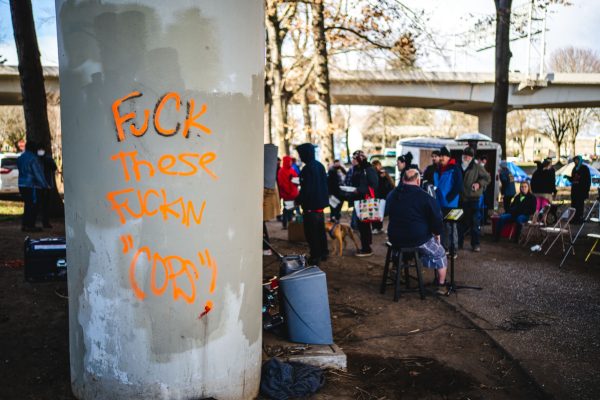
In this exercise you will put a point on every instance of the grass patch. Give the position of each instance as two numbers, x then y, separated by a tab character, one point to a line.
10	209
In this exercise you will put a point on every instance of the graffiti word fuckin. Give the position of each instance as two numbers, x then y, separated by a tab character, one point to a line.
190	121
177	209
183	164
181	274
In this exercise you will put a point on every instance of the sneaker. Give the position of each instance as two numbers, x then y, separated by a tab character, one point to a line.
442	291
376	231
267	252
476	249
364	253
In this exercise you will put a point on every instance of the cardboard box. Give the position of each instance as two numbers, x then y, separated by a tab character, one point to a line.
296	232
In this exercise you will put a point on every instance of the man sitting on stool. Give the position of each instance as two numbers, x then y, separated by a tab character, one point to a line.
416	221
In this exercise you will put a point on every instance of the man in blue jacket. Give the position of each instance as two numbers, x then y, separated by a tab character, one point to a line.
448	182
313	198
416	221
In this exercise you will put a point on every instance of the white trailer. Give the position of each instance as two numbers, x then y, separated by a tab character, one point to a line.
422	147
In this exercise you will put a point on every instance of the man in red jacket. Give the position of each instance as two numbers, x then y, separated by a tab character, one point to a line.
287	180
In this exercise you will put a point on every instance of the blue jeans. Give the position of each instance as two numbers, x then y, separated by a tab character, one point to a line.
505	218
471	220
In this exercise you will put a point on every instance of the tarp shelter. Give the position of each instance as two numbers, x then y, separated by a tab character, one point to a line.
561	175
518	173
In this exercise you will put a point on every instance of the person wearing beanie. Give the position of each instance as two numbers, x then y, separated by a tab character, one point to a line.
475	181
448	182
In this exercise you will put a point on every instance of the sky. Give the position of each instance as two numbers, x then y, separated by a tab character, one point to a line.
576	25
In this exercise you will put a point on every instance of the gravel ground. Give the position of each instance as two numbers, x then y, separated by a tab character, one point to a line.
547	318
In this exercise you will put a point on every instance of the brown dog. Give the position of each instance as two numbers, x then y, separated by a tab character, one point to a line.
338	232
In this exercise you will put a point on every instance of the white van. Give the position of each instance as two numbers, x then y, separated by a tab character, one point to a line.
422	147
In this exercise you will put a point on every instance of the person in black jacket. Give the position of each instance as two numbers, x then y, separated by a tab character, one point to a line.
313	198
543	181
366	182
430	170
416	221
520	210
384	186
581	181
335	179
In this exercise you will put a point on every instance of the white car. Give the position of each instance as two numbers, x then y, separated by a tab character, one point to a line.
9	173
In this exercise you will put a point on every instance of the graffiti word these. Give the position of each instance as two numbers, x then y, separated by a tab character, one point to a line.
183	164
177	209
190	120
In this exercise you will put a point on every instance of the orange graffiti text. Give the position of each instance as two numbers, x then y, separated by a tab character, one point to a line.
180	274
152	202
183	164
190	120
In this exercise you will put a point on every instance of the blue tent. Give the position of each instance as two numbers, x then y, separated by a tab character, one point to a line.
518	173
561	175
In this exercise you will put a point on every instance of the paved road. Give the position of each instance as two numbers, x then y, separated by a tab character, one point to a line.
547	319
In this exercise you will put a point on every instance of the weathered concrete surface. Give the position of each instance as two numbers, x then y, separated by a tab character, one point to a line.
164	259
547	318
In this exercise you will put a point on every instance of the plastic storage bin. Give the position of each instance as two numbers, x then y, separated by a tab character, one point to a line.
306	305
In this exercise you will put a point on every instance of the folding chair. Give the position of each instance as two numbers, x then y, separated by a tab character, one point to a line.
538	220
597	253
561	228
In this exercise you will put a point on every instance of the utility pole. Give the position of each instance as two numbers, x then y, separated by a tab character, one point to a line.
529	37
543	44
500	106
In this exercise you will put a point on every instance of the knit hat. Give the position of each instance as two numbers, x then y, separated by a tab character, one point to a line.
444	151
468	151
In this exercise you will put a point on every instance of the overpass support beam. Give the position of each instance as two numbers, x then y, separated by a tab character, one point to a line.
162	107
484	123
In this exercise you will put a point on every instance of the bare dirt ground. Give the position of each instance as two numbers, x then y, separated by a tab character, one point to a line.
437	348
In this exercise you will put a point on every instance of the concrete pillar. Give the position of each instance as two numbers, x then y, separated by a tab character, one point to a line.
484	123
162	127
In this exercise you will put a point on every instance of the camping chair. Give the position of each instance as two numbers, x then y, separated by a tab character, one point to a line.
561	228
537	222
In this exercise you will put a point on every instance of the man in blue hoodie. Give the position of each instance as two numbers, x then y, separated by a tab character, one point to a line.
313	198
448	182
416	221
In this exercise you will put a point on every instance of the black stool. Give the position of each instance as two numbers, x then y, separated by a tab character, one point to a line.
400	258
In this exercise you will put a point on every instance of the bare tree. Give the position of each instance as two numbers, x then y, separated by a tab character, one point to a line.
503	54
558	122
575	60
31	73
12	122
519	129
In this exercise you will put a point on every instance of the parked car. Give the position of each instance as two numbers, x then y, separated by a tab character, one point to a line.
9	173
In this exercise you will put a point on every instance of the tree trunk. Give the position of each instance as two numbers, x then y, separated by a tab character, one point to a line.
322	85
500	106
306	116
278	110
33	91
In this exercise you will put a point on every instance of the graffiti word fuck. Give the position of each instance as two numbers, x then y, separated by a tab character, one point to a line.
174	100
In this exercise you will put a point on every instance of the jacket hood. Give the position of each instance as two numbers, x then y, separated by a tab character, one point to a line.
286	162
306	152
448	166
